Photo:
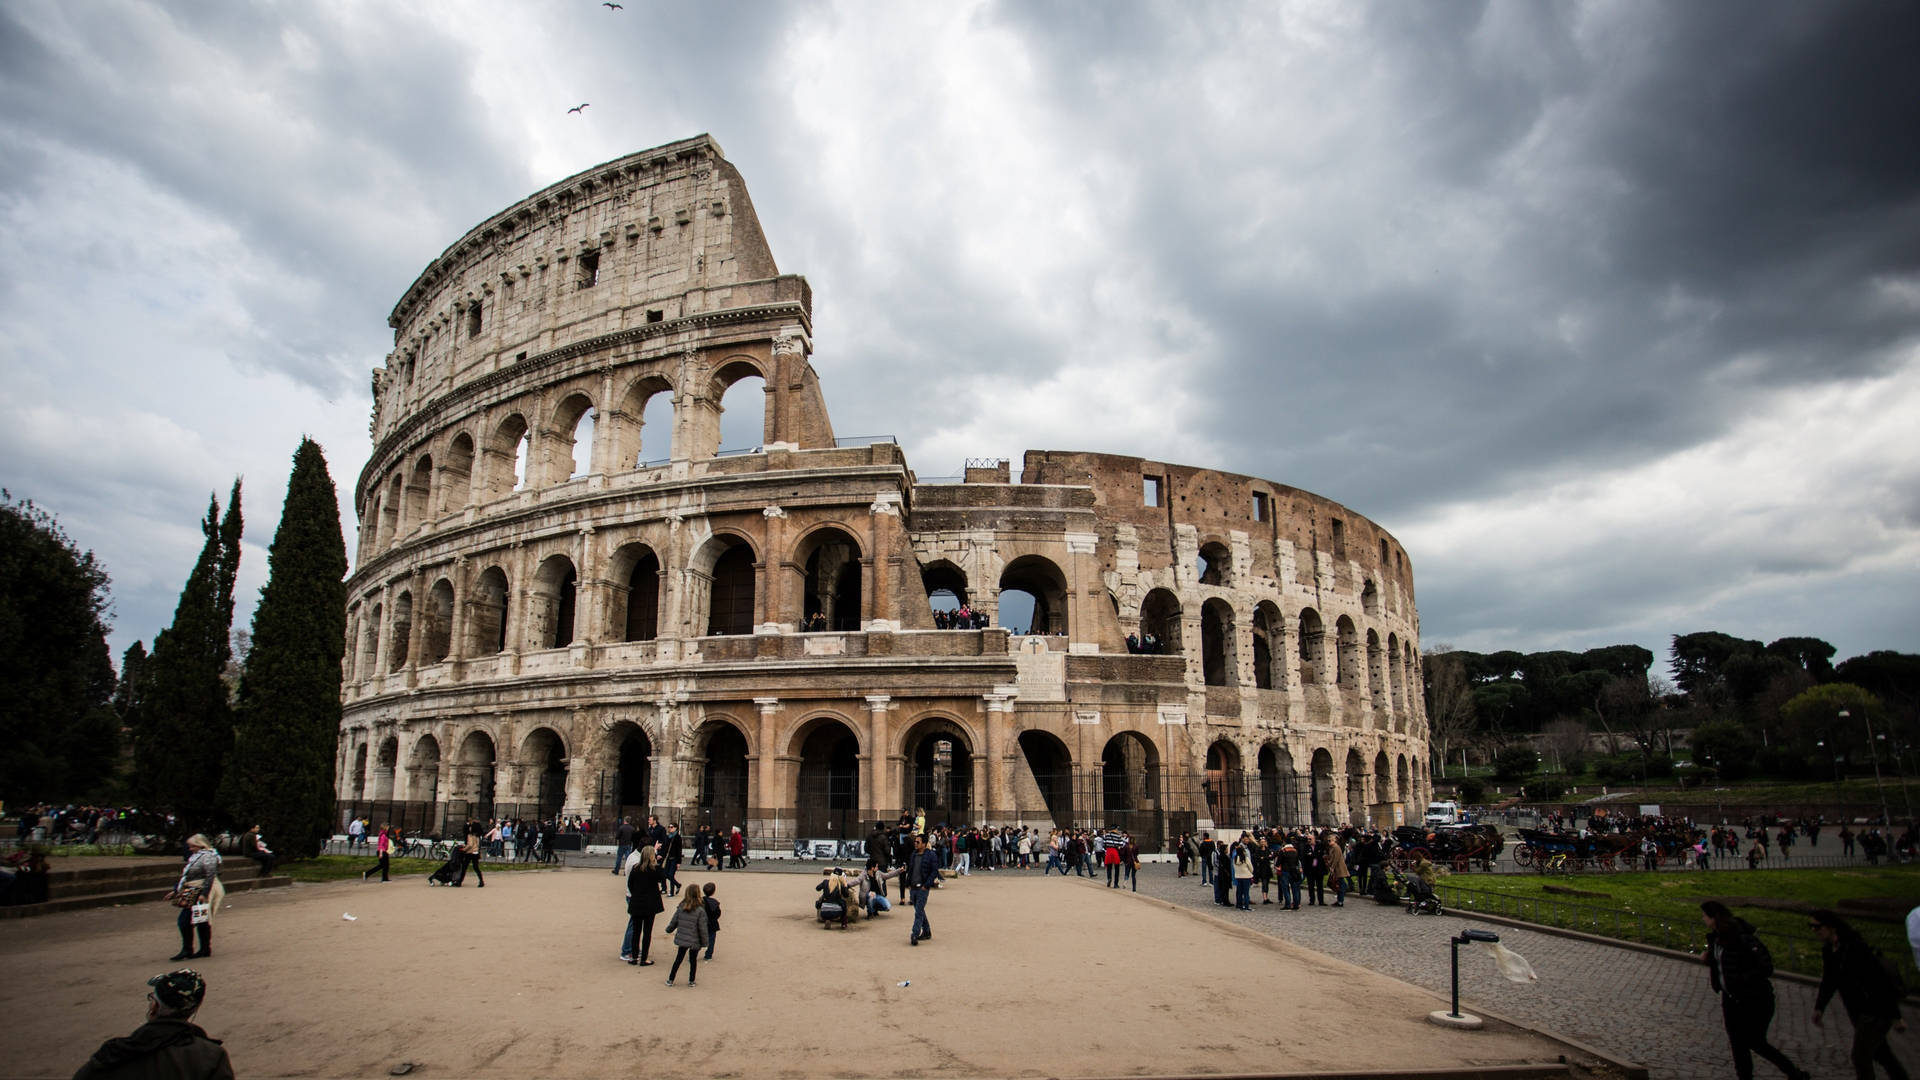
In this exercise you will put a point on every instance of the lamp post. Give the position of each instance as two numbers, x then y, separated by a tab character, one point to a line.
1886	818
1900	770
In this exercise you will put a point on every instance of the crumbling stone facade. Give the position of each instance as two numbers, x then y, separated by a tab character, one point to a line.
546	621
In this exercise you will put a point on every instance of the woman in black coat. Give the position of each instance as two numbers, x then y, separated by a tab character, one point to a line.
643	903
1851	968
1741	970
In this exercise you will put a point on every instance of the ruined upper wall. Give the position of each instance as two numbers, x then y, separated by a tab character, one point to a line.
653	237
1217	504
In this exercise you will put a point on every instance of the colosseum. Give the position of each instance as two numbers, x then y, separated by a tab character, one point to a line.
568	599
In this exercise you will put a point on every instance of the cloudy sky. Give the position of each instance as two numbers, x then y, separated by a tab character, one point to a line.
1610	312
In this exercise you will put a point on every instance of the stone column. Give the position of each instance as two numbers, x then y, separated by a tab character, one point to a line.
777	601
766	780
996	712
879	740
1083	576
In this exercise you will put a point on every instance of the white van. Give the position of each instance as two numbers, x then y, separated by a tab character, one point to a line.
1443	813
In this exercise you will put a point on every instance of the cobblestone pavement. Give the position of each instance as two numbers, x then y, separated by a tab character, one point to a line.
1639	1007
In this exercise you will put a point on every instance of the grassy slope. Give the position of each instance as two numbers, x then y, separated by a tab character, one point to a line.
1671	905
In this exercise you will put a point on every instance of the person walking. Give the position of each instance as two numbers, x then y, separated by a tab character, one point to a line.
672	850
923	869
1110	858
382	846
1741	971
1337	871
1867	987
643	903
199	885
688	925
470	856
1313	862
169	1044
623	843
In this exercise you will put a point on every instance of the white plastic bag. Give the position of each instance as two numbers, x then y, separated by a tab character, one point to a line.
1511	964
201	912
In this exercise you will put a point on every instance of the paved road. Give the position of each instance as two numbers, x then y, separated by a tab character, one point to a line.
1637	1006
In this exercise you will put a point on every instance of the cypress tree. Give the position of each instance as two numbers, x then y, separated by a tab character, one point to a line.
287	722
185	721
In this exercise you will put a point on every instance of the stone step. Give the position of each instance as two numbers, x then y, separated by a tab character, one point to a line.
130	896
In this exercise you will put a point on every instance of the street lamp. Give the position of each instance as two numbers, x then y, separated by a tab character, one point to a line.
1886	818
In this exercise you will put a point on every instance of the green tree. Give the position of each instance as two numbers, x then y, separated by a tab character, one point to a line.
1813	716
1516	761
56	674
1450	708
280	775
1725	747
185	723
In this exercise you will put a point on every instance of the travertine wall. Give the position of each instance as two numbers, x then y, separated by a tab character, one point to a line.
636	638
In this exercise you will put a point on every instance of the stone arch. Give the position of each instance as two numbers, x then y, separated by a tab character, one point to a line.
551	603
1215	564
828	559
370	640
390	514
943	578
456	483
1383	783
402	631
1325	808
487	613
436	641
722	581
628	748
542	773
360	772
574	415
506	456
643	435
1402	784
386	756
420	508
1219	660
1130	782
1347	654
1396	686
1376	677
1269	629
1225	785
1356	775
1160	617
1049	764
423	770
1038	577
1279	786
827	779
938	778
721	749
634	614
1313	647
748	432
473	768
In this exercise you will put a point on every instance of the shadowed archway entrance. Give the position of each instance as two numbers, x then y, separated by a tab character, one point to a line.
827	802
939	773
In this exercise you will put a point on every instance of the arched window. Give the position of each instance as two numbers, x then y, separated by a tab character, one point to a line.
1267	630
1219	664
1160	623
743	410
831	597
402	629
1376	674
420	493
553	602
457	483
730	598
1034	587
506	457
1216	565
946	586
1347	660
636	614
487	614
1313	647
572	445
438	639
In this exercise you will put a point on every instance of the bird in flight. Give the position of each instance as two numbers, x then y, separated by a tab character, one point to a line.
580	106
611	4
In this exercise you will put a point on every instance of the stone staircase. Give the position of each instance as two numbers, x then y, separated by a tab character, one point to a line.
107	881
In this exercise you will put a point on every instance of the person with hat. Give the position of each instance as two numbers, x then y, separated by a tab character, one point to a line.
169	1044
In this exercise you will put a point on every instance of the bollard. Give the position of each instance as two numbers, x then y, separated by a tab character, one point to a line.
1455	1018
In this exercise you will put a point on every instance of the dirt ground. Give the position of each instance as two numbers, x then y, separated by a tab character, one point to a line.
1024	977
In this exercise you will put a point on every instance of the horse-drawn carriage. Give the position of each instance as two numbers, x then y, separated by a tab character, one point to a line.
1546	851
1458	847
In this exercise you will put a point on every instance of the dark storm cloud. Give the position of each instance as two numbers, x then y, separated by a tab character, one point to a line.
299	144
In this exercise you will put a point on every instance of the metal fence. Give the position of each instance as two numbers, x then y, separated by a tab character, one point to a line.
1791	952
